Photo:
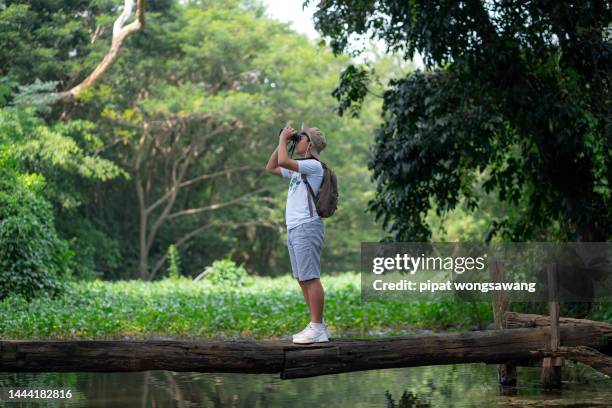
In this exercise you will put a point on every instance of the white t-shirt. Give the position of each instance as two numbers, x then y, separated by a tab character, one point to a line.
296	210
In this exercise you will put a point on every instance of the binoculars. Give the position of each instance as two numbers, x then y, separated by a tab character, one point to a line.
295	137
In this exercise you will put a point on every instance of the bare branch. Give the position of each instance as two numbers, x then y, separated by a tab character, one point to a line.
216	206
165	213
216	174
97	33
195	155
127	10
120	33
196	180
108	146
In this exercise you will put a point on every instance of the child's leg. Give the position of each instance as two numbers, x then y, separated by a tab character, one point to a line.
306	243
305	293
316	299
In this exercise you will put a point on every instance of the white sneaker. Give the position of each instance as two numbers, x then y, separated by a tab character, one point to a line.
311	335
300	333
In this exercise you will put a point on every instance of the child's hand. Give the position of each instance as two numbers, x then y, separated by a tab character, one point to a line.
286	133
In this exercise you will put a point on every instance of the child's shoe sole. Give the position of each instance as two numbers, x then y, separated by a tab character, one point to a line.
319	339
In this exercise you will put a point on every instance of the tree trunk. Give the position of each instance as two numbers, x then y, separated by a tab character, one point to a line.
288	359
525	320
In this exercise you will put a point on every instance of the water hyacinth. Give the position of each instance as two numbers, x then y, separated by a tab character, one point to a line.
258	307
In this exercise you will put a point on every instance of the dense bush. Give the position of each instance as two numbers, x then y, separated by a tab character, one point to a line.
33	259
225	272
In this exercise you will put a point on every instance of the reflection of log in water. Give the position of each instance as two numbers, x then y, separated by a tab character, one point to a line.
295	361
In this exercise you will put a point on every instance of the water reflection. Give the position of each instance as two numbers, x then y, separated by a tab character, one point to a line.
467	385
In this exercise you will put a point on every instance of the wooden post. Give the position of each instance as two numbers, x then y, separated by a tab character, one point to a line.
506	373
550	376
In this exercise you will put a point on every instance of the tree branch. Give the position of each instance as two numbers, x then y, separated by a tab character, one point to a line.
174	191
195	155
97	33
211	207
216	174
120	33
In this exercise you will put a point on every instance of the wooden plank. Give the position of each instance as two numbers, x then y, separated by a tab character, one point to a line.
553	307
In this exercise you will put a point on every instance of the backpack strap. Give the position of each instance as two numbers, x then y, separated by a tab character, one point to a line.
305	180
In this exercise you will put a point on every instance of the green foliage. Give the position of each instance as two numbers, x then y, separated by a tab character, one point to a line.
64	153
33	259
517	91
182	308
61	147
352	89
52	40
174	270
37	94
96	253
197	68
225	272
222	69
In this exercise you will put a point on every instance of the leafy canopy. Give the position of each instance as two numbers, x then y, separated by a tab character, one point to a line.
517	91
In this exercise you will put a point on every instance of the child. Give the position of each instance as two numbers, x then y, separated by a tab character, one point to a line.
305	229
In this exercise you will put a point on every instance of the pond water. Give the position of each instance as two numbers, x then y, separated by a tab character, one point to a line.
461	385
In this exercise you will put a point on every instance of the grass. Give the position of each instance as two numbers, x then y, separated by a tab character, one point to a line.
261	307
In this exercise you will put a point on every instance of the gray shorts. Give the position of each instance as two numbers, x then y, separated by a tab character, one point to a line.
304	243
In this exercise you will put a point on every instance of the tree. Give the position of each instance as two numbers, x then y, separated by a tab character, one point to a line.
34	37
188	126
217	113
63	156
175	157
204	87
33	259
120	33
518	91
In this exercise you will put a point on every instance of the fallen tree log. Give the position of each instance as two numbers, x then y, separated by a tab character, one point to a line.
523	320
491	346
286	358
582	354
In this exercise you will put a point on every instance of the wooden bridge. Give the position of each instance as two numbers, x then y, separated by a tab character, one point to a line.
524	342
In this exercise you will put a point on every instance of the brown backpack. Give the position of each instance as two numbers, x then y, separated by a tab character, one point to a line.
326	200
